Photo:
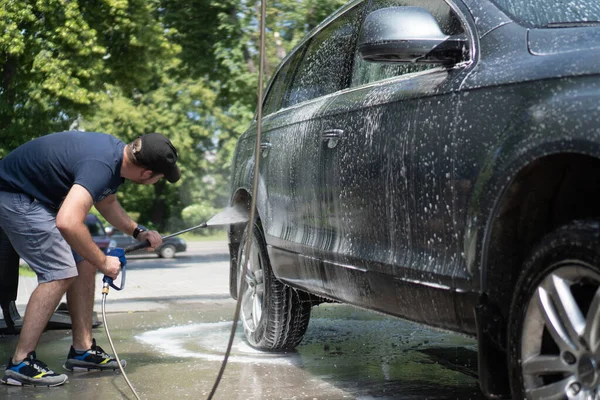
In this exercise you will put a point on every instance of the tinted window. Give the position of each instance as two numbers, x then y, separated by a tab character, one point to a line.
327	63
366	72
274	98
541	13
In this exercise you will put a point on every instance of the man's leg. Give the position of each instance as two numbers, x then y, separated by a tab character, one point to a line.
85	354
80	300
24	368
41	306
31	229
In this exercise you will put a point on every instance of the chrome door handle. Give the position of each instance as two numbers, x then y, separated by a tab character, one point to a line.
332	137
332	134
264	148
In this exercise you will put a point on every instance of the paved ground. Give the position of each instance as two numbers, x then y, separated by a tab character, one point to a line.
151	282
172	324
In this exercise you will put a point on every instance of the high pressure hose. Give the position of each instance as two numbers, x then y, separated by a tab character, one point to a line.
108	282
105	287
261	67
236	317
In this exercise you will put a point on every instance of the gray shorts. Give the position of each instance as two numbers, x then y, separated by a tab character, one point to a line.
31	229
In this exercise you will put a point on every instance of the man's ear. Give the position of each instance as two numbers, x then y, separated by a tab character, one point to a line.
147	174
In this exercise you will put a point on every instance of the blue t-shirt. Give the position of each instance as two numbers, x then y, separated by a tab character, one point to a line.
47	167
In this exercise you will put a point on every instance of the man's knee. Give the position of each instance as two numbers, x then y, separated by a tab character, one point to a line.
86	268
63	284
68	281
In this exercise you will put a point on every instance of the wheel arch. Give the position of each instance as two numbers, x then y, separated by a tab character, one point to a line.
544	193
242	200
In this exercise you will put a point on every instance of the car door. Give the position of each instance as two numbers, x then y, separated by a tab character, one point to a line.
293	219
387	172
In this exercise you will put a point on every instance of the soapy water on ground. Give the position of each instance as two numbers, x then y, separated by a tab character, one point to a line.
205	341
361	353
334	338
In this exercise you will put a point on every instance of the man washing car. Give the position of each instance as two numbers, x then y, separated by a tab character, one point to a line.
47	187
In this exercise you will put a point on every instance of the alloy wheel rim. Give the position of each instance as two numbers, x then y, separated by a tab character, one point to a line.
560	349
252	298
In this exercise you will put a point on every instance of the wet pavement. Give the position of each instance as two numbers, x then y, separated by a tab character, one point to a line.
172	323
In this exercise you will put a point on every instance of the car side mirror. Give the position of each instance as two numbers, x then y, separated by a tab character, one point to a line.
408	35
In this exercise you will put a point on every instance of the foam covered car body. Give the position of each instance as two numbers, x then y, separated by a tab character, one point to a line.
446	172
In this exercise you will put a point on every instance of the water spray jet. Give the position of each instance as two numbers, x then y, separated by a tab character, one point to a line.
230	216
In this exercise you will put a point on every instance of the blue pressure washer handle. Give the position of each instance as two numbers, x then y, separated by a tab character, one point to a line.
117	252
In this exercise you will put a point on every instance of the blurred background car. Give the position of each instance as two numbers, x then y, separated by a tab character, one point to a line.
167	250
99	235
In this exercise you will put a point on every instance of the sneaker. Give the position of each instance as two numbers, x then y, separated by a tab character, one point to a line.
31	372
93	359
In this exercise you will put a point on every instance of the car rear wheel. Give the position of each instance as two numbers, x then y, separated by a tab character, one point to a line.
167	251
274	315
554	331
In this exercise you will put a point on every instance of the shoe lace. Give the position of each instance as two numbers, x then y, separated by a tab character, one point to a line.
100	352
39	366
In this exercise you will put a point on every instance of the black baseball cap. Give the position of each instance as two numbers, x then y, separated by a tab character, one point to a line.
158	154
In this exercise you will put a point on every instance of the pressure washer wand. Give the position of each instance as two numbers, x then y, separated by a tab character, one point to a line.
145	243
118	252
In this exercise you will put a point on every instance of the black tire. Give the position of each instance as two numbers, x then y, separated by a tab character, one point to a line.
274	315
167	251
554	327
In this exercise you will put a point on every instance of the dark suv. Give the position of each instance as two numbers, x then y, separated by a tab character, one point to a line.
437	161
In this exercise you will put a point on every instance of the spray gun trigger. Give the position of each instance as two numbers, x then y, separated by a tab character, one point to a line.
116	252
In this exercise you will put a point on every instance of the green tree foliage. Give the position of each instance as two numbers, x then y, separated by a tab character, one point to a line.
57	55
220	42
220	39
197	214
185	68
183	110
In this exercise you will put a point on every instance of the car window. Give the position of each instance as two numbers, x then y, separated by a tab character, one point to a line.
327	64
366	72
281	81
545	13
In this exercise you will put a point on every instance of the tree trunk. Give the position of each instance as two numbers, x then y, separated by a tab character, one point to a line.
157	213
246	53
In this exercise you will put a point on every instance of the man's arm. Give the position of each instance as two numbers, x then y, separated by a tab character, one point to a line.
70	222
111	209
